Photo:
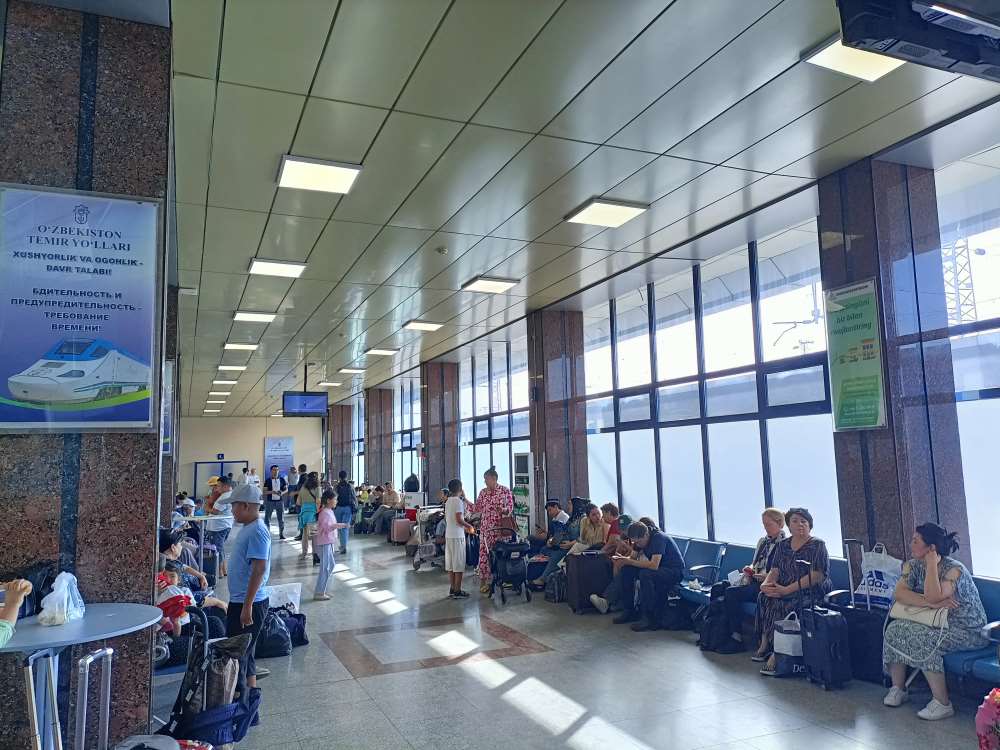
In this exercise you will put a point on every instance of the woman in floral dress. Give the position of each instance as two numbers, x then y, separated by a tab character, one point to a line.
493	503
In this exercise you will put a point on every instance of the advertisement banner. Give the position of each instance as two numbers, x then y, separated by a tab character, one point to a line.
278	451
854	347
78	310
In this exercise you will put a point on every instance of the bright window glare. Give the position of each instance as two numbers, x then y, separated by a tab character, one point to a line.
377	595
546	706
361	581
492	674
344	576
598	734
391	607
452	643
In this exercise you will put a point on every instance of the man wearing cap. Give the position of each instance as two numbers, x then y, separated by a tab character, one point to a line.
249	569
186	510
217	529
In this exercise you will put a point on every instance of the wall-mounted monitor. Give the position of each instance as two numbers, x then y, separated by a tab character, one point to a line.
304	403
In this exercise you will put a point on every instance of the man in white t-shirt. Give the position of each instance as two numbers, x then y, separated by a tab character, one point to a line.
217	529
454	538
253	478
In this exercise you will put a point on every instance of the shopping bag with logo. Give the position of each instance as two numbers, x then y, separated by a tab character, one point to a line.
788	647
880	572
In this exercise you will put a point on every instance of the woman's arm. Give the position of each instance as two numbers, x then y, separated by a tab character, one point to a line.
904	594
942	591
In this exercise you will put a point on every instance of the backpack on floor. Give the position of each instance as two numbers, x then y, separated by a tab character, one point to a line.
274	639
713	627
555	587
296	624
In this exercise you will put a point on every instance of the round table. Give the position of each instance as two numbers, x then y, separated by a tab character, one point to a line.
41	646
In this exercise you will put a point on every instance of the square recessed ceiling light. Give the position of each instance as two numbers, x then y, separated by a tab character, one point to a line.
351	370
212	411
325	384
220	393
315	174
489	285
285	268
232	368
382	352
224	382
216	402
253	317
421	325
834	55
600	212
240	347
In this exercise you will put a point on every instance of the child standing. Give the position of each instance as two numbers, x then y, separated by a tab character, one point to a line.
326	528
15	591
454	538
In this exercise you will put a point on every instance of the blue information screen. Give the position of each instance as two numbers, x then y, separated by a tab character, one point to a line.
304	403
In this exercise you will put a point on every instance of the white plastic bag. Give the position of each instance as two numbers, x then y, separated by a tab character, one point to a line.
880	572
281	594
788	636
63	603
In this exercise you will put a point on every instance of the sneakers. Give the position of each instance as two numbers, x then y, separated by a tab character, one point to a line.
321	597
458	594
896	697
262	672
281	536
600	603
934	711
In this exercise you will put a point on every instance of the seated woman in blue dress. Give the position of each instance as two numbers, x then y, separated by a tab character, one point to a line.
787	580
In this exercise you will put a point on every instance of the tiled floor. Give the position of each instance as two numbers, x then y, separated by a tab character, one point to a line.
392	663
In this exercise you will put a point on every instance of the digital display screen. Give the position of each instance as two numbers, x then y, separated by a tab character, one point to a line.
304	403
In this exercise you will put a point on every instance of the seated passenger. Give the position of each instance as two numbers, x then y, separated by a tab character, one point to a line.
753	575
593	530
14	593
385	512
658	568
564	542
610	598
932	578
171	545
552	533
612	517
780	589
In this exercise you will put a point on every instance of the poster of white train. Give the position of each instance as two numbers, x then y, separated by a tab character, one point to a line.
78	310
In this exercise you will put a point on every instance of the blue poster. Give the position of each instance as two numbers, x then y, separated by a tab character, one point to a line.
278	451
78	312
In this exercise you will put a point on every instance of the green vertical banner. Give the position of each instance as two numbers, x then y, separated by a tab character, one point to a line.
854	346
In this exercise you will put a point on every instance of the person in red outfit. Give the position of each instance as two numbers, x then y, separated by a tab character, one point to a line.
493	503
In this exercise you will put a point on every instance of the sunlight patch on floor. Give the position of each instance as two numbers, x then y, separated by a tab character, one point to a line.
452	643
544	705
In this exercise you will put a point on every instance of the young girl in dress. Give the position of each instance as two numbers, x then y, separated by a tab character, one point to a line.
326	531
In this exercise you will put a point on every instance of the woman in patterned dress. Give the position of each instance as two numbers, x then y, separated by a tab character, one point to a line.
494	502
780	590
932	579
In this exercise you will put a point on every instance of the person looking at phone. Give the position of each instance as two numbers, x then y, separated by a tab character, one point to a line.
657	569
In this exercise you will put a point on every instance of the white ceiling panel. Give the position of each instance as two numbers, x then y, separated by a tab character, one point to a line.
194	104
387	252
190	237
763	52
475	45
551	72
220	291
599	172
343	300
231	239
289	237
381	301
483	256
265	293
532	257
403	152
338	247
275	45
250	121
477	154
536	167
418	305
558	269
195	36
356	69
680	40
439	251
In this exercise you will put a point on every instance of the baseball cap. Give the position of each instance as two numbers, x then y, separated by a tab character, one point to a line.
187	501
213	480
246	493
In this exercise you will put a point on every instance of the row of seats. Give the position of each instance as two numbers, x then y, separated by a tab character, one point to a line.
710	561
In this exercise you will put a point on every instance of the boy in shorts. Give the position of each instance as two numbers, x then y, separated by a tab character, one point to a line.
454	538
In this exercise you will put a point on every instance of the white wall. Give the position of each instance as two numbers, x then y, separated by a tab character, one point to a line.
239	438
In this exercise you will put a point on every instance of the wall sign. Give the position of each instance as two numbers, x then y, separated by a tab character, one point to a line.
854	347
278	451
78	311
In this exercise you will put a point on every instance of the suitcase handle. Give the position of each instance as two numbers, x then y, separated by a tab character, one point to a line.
82	687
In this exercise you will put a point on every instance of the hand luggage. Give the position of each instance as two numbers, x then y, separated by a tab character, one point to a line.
400	530
865	625
586	574
509	568
825	650
713	627
274	639
555	587
471	550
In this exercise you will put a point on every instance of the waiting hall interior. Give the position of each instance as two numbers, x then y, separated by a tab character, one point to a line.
455	374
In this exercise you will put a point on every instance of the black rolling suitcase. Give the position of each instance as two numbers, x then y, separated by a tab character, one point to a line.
826	653
865	626
586	574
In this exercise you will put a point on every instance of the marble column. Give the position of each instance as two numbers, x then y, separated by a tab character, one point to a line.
84	104
557	410
339	458
168	467
879	220
439	417
378	435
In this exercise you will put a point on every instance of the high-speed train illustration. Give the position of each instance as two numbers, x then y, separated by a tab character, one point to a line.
79	370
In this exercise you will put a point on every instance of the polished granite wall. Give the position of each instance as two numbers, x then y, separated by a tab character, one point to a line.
378	435
557	412
168	467
439	423
339	447
879	220
83	105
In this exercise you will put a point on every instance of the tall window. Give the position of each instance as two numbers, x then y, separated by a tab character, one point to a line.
726	416
407	434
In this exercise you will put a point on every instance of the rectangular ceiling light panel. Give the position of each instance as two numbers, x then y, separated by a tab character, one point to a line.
300	173
232	368
212	411
606	213
421	325
241	347
254	317
220	393
382	352
351	370
489	285
224	382
857	63
284	268
326	384
215	402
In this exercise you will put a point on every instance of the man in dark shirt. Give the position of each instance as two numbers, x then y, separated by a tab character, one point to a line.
658	568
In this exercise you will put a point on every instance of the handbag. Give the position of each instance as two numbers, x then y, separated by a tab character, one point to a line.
880	572
929	616
788	661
